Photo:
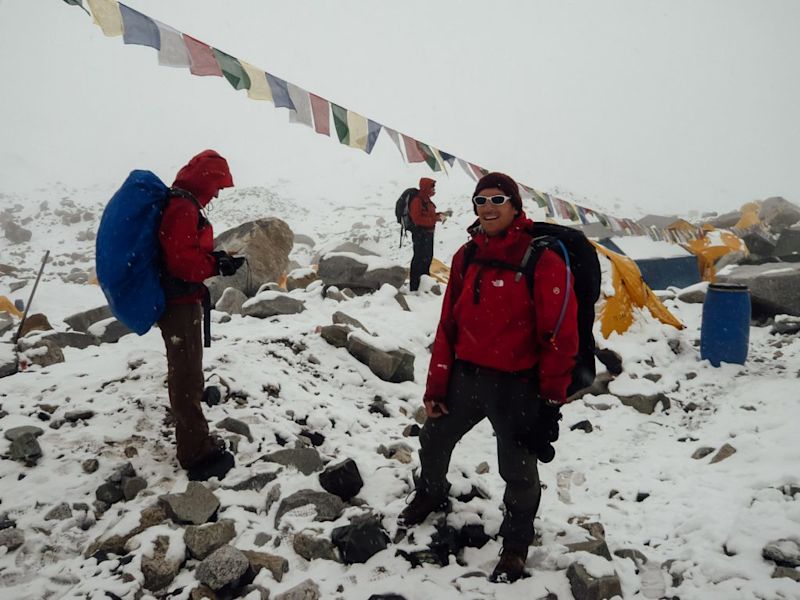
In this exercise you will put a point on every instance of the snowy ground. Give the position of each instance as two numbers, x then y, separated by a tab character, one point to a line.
711	519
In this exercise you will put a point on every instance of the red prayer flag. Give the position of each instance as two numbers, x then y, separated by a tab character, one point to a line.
202	57
413	151
321	111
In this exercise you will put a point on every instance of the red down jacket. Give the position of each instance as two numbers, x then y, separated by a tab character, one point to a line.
186	238
509	329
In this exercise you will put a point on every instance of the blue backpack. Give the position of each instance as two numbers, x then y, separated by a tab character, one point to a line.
128	252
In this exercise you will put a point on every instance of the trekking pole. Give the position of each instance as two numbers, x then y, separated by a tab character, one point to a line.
30	299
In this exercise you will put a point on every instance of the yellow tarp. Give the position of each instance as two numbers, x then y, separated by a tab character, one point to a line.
715	244
749	216
630	291
439	271
7	305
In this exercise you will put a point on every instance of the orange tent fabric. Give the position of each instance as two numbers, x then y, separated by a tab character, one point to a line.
630	291
715	244
7	305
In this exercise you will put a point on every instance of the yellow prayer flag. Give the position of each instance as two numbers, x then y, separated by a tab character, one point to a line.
259	88
359	130
439	159
106	14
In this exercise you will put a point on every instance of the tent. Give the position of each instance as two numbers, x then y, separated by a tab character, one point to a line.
715	244
662	264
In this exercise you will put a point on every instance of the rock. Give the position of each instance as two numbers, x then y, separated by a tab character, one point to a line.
159	572
109	493
482	468
109	331
300	278
702	452
15	432
196	505
263	593
335	335
583	426
16	234
778	213
305	460
401	300
90	465
266	243
301	238
788	245
646	404
311	547
586	587
25	449
256	482
9	361
231	301
411	430
773	289
473	536
786	572
786	327
308	590
71	339
270	287
6	323
59	512
592	546
635	555
726	451
12	538
784	552
276	565
269	304
83	320
340	318
202	540
378	407
41	351
236	426
349	270
328	506
131	486
35	322
74	416
202	592
360	540
395	366
342	479
225	566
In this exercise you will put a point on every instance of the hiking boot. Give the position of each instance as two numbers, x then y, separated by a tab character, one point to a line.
420	507
510	567
217	464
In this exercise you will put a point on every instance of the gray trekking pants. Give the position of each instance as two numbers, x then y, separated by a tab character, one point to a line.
510	403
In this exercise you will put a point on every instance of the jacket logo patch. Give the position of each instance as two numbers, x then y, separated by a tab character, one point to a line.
556	291
498	283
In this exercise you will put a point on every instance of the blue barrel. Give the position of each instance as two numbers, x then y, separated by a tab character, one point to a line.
725	330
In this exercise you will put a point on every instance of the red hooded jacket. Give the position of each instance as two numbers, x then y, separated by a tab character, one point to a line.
421	209
186	238
509	329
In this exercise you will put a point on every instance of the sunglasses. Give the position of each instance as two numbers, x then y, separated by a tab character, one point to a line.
496	200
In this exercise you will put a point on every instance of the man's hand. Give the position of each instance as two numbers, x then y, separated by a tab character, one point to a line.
435	407
441	217
226	263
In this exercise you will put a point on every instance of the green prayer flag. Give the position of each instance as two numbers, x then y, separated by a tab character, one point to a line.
340	121
430	158
233	70
77	3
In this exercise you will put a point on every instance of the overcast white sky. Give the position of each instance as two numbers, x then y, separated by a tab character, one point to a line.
661	105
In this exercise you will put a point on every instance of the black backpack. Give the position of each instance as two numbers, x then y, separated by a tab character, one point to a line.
580	255
401	212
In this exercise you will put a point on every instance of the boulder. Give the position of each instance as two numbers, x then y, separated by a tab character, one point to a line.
300	238
300	278
340	318
196	505
202	540
255	482
694	294
223	567
59	512
40	351
360	540
157	570
6	323
788	246
758	243
305	460
71	339
312	547
342	479
724	452
16	234
25	449
778	213
773	287
395	366
646	404
348	269
586	587
9	361
236	426
335	335
265	243
308	590
83	320
231	301
268	304
35	322
15	432
784	552
12	538
276	565
328	506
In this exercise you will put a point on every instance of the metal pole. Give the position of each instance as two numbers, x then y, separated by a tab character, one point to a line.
30	299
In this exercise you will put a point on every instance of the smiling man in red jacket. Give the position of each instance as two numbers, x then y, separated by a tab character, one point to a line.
503	351
188	259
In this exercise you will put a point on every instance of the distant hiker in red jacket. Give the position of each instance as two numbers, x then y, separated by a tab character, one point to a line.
423	215
187	244
502	351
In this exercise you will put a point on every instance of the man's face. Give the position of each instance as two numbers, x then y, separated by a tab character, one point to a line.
495	218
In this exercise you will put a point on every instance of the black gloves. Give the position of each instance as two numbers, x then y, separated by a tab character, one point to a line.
544	431
226	263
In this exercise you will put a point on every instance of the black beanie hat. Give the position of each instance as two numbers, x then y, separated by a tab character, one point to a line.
502	182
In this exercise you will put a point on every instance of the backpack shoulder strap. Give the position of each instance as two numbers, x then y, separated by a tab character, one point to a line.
175	192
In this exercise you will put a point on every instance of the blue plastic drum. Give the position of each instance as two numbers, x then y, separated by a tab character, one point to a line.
725	330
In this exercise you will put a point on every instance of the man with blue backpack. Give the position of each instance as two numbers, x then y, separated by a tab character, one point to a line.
154	250
188	258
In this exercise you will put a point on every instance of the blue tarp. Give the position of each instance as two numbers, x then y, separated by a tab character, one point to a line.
661	273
